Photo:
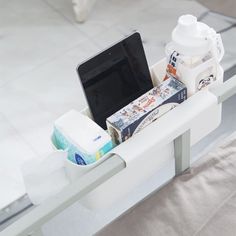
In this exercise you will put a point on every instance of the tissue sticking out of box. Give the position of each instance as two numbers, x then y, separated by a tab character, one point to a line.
145	109
84	140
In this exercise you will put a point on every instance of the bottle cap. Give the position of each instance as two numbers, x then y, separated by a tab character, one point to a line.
190	37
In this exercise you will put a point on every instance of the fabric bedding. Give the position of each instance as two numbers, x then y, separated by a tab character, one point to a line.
202	201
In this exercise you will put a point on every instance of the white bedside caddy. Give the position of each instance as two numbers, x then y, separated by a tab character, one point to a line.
162	146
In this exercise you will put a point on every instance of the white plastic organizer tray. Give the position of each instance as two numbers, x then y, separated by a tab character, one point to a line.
161	146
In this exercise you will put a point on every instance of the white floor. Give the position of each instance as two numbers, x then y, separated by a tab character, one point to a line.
40	47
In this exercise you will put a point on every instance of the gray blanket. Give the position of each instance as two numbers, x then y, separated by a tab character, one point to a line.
202	201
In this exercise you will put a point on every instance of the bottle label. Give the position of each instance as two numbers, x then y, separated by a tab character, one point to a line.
203	74
171	69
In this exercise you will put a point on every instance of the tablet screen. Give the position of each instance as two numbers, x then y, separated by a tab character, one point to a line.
114	78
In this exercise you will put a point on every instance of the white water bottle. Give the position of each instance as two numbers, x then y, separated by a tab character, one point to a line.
194	54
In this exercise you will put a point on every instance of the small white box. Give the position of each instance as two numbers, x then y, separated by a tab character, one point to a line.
84	140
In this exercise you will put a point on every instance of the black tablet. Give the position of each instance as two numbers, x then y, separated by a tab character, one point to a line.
115	77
